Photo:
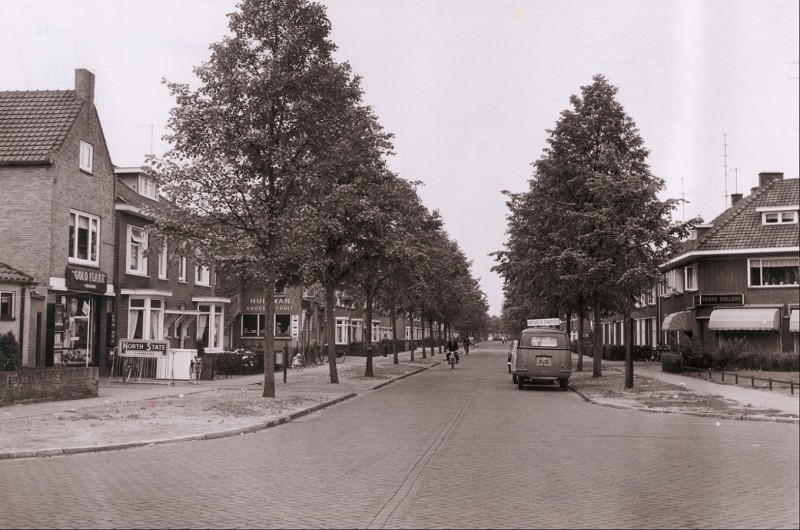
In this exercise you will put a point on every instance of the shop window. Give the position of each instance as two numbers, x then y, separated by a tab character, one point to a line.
84	235
146	318
283	326
137	244
253	325
6	305
774	272
86	157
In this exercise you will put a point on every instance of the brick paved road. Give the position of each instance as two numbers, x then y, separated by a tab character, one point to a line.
531	458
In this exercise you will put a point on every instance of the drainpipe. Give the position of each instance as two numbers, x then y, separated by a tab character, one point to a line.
21	340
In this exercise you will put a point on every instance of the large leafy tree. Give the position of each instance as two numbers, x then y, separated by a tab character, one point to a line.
594	227
249	144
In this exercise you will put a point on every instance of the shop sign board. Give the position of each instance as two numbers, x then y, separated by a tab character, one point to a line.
143	348
719	299
81	279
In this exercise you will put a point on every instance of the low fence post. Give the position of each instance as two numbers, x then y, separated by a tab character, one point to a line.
770	383
736	378
753	381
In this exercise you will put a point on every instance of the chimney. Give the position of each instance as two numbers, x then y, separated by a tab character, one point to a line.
84	85
765	177
735	197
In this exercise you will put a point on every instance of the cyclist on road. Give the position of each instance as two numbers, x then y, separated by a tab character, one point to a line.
466	345
452	348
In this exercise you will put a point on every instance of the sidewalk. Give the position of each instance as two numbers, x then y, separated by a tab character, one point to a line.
131	415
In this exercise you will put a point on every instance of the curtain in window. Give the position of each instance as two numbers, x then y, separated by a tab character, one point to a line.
134	315
154	328
202	320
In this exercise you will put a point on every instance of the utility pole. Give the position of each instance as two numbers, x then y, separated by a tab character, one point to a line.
683	203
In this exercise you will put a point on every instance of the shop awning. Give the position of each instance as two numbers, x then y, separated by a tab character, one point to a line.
764	319
677	321
176	316
794	321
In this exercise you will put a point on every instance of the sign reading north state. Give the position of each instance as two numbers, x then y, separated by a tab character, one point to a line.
80	279
143	348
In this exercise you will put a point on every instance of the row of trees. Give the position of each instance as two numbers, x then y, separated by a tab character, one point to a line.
277	172
588	236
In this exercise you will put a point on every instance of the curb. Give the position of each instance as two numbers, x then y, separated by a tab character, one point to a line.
767	419
202	436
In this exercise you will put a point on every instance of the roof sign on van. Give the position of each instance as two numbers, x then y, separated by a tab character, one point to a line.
542	322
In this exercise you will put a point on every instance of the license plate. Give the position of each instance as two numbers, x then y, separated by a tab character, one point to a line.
543	361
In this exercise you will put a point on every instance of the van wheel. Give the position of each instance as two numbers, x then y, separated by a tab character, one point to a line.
520	382
564	384
514	378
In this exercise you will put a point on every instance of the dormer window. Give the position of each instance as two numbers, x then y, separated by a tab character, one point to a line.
778	215
148	188
87	157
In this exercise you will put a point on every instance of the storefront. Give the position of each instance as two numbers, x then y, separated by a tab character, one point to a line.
80	320
760	326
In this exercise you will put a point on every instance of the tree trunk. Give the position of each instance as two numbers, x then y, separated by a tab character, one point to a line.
422	325
269	336
430	330
368	334
411	332
393	318
628	352
581	315
598	339
330	303
439	325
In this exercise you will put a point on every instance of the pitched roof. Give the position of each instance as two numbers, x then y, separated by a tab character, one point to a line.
33	124
740	226
12	275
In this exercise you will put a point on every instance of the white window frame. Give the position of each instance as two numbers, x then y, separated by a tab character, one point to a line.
750	265
690	278
784	217
140	267
674	282
163	262
93	233
342	331
215	319
11	297
150	305
182	269
86	157
260	319
202	276
147	187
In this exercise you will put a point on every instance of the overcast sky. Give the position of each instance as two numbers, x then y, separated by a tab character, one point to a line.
468	88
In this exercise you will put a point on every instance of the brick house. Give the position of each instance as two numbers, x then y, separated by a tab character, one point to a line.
15	298
737	277
57	225
162	295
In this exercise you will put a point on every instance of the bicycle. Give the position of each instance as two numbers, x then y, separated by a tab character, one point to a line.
132	368
341	356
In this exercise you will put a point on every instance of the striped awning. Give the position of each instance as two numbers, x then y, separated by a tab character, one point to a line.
794	321
677	321
746	318
176	316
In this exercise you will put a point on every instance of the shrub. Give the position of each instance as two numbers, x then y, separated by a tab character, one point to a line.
671	362
9	352
239	362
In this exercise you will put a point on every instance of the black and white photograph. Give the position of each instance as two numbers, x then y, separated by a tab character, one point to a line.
399	264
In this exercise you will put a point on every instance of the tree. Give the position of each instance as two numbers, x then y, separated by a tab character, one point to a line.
595	228
249	141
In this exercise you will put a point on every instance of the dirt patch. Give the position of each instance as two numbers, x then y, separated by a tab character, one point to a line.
658	396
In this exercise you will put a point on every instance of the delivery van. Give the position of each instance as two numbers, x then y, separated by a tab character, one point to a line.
541	356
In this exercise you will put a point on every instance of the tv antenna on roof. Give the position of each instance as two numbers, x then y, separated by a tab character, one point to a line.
725	165
151	134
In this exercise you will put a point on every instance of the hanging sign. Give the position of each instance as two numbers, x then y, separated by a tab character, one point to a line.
80	279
